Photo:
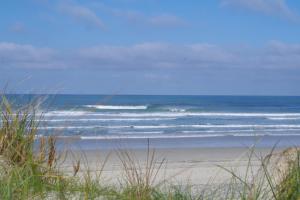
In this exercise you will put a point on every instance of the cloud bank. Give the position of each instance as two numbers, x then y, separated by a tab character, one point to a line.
151	55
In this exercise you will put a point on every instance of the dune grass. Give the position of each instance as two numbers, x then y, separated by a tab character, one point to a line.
30	171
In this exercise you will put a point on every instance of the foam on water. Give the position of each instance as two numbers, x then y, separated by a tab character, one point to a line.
148	136
178	126
117	107
106	119
241	131
169	114
220	126
284	118
181	136
66	113
209	114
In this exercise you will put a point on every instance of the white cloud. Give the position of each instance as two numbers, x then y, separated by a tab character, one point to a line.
156	55
27	56
81	13
269	7
152	55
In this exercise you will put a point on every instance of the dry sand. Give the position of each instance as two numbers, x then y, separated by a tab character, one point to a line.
195	166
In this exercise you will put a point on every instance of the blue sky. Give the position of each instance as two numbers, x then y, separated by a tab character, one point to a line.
225	47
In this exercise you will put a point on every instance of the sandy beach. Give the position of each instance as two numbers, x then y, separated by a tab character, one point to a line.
193	166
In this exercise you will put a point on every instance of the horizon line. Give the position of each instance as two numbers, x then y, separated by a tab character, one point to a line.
101	94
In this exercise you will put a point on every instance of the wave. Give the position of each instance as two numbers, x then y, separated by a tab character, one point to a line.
254	126
181	136
209	114
177	110
140	132
284	118
220	126
115	107
148	136
106	119
240	131
170	114
79	127
66	113
173	108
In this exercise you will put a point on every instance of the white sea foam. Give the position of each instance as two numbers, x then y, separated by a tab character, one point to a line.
117	107
206	114
181	136
284	118
266	134
78	127
170	114
66	113
241	131
188	134
220	126
139	132
148	136
177	109
107	119
251	126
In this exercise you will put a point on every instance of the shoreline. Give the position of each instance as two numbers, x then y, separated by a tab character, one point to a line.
76	143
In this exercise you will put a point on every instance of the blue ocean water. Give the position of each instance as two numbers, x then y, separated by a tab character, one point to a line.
177	118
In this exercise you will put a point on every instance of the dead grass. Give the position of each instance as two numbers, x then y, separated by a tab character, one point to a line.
140	179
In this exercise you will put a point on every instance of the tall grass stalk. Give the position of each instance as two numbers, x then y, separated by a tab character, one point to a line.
140	179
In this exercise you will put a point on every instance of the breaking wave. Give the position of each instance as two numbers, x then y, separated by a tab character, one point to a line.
116	107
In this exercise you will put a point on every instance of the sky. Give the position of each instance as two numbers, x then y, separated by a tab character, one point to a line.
207	47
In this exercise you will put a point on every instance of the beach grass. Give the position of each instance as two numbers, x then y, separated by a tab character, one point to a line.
30	171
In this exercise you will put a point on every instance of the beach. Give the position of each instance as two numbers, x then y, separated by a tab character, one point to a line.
182	166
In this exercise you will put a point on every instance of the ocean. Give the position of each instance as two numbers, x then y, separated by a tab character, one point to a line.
104	121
